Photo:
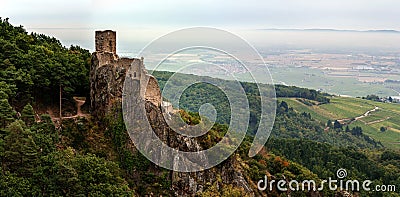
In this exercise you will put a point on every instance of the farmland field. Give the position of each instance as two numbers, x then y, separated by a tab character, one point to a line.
387	116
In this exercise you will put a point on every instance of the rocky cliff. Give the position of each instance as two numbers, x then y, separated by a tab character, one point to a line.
107	77
188	184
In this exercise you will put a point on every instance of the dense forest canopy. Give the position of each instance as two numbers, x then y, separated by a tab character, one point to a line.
34	65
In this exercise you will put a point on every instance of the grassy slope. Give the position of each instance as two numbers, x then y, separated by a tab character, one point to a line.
387	116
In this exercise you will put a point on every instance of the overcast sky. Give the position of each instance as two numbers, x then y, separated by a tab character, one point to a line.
338	14
158	15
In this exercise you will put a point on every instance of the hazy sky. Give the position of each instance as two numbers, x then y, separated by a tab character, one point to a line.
155	17
339	14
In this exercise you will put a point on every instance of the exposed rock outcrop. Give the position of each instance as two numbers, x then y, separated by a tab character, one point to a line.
188	184
107	77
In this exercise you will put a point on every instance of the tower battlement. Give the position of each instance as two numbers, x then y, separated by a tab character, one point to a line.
105	41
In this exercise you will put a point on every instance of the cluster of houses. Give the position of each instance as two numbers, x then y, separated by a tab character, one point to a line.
390	99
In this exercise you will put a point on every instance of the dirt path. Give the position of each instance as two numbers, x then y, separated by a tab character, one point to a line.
344	120
395	130
377	121
367	113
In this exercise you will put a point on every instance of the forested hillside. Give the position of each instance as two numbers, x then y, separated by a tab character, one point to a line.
35	157
288	123
34	67
82	158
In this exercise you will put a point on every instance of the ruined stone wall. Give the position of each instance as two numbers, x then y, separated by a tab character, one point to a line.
153	93
107	76
106	41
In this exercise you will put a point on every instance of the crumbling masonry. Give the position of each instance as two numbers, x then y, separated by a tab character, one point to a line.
107	75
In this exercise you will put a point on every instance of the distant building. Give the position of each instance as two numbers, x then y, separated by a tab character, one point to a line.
167	106
396	99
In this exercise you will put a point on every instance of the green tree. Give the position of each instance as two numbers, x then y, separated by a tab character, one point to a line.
337	125
6	113
45	135
357	131
34	65
13	185
284	105
66	173
28	115
373	97
329	123
20	150
1	154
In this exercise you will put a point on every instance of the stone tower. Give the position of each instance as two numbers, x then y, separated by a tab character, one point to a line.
107	76
106	41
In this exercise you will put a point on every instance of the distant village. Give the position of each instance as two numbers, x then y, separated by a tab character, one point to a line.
390	99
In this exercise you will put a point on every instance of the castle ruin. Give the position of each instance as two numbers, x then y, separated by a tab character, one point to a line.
108	72
107	78
106	41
